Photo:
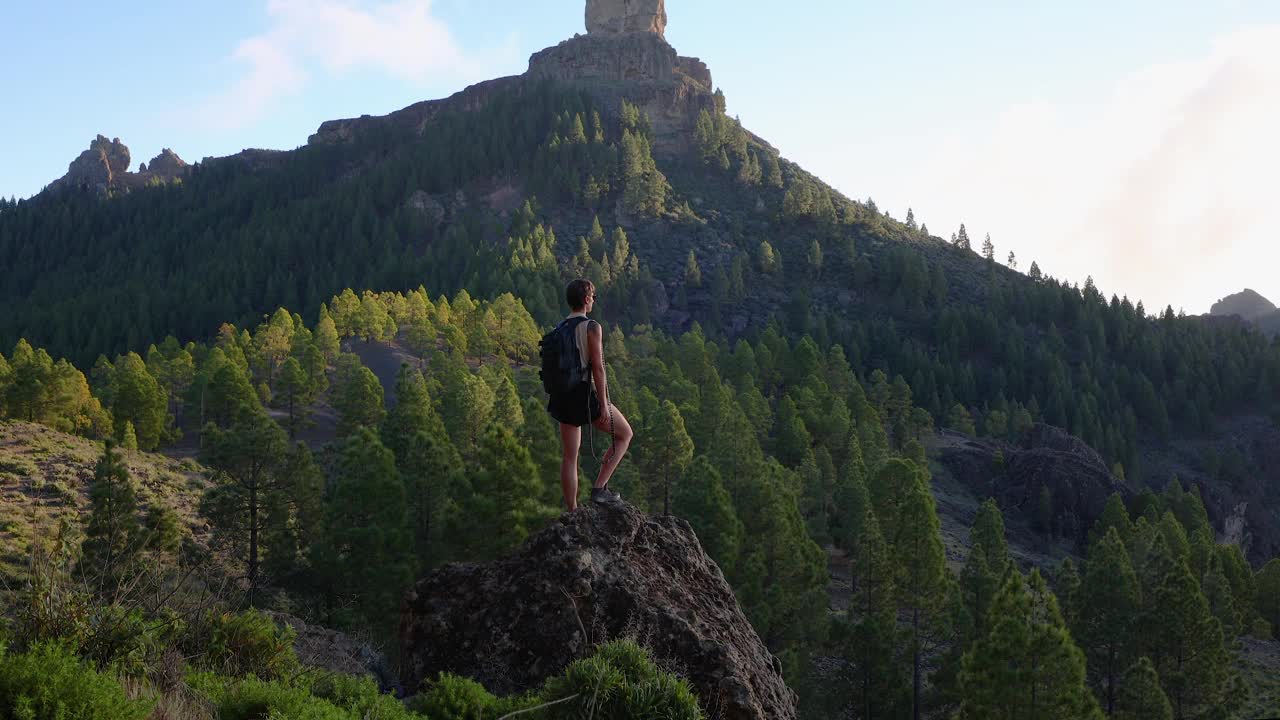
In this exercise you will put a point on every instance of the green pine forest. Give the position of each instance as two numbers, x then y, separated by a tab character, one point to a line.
784	354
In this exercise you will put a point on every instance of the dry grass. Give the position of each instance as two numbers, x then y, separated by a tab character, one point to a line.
45	476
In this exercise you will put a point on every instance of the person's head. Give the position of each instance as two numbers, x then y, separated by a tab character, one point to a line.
581	295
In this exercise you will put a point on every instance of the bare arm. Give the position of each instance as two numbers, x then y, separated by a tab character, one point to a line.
595	347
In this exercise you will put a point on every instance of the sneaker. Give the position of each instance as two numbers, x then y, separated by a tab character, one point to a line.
604	495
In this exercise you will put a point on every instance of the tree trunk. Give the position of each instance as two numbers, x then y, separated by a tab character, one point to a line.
253	539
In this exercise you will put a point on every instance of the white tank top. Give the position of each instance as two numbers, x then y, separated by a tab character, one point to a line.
580	334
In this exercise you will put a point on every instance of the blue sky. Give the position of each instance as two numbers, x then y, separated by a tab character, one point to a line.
1127	140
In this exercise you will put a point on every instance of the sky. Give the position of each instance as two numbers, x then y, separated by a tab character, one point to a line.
1134	141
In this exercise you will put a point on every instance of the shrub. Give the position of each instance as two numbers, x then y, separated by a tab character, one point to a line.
248	644
49	682
329	697
620	682
455	698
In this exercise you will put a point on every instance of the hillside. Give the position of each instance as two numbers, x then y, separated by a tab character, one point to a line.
44	480
1252	308
819	389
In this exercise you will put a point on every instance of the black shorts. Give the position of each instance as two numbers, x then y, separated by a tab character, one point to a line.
578	407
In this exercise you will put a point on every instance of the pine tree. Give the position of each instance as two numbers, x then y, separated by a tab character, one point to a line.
136	397
911	220
435	486
1013	261
1268	595
1186	647
700	497
878	688
666	454
326	335
503	508
1141	697
1035	273
962	239
413	413
356	395
959	419
1114	517
1108	616
922	579
366	554
1066	585
988	249
246	459
692	273
1027	666
293	392
112	535
988	562
294	519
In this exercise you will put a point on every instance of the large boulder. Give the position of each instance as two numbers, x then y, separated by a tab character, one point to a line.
1076	476
597	574
615	17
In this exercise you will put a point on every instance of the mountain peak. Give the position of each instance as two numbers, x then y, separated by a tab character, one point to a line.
1248	304
615	17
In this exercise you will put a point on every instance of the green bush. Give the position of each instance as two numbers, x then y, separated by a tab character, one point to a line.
455	698
49	682
249	644
328	697
620	682
359	696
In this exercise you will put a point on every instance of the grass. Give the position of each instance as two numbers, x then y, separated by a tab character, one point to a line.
45	477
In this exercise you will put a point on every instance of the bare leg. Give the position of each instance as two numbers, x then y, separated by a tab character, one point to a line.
570	442
622	434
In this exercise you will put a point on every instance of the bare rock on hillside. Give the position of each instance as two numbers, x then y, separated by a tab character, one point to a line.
1248	304
1077	477
614	17
99	167
165	166
600	573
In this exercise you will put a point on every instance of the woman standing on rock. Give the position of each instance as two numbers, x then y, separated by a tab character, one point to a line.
582	396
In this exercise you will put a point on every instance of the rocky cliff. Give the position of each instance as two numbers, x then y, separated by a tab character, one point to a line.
624	56
1078	479
597	574
104	168
1248	304
615	17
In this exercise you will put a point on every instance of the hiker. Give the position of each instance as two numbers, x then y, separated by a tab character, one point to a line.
580	395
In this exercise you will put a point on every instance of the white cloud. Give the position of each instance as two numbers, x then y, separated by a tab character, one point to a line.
1161	187
327	38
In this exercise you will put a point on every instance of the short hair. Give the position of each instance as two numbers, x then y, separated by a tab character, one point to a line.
576	293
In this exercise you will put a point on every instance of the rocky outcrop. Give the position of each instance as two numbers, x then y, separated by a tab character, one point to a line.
615	17
623	57
596	574
167	166
1077	477
104	168
641	68
100	168
1248	304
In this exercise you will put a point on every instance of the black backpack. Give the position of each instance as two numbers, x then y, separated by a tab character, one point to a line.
562	369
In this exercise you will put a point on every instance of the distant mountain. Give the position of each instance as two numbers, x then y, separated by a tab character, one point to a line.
1250	307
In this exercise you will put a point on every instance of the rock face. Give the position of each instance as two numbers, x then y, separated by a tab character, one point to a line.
104	167
1248	304
641	68
598	574
98	168
166	166
615	17
624	56
1045	456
